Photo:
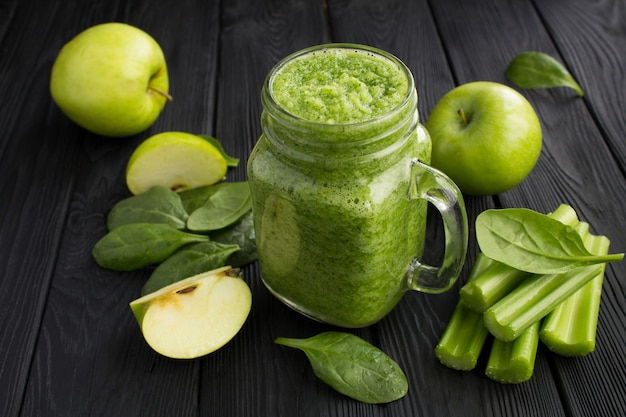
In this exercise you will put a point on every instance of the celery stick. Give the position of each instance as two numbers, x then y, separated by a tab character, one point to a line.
534	298
463	339
465	334
499	279
570	329
491	286
513	362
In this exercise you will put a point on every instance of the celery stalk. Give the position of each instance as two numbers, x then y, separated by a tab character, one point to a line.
537	296
570	329
491	286
513	362
499	279
461	342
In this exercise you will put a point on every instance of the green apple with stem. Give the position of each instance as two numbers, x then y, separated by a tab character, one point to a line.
485	136
177	160
111	79
195	316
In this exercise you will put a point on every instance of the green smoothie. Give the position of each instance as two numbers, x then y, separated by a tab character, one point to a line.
334	226
337	86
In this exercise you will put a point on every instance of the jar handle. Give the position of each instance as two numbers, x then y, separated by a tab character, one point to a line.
434	186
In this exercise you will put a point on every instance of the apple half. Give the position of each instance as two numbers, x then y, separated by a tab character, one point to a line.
195	316
177	160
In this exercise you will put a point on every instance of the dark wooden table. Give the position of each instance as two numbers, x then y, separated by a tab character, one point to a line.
69	345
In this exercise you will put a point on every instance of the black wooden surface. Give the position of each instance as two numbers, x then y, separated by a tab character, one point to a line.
69	345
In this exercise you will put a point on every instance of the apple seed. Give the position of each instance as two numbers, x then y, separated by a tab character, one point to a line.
186	290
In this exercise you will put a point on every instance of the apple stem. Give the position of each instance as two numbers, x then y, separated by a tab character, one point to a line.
234	272
163	93
461	114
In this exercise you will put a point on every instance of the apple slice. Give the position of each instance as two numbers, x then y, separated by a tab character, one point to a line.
194	316
177	160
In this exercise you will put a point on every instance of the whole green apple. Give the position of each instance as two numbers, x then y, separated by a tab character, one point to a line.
111	79
486	137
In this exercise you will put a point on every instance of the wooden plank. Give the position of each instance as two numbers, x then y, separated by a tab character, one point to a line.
36	155
568	170
91	357
7	11
590	40
587	37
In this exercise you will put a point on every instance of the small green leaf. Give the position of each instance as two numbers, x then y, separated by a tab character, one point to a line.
195	198
533	242
241	234
156	205
538	70
137	245
188	261
352	366
223	208
230	161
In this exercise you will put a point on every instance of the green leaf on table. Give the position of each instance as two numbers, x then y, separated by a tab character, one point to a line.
188	261
538	70
137	245
352	366
195	198
230	161
222	208
156	205
533	242
241	234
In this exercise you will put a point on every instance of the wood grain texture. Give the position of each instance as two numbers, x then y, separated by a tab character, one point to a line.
69	345
88	326
255	36
587	35
36	184
420	319
567	172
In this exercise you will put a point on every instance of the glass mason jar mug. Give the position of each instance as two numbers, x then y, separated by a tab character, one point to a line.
340	183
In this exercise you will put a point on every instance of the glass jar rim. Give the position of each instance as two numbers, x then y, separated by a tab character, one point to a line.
268	100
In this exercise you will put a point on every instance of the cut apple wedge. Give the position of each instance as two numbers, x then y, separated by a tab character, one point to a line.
195	316
177	160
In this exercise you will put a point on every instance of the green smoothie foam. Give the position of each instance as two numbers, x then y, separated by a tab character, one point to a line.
334	243
338	86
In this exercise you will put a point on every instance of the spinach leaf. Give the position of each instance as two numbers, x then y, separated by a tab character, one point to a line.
223	208
240	234
538	70
188	261
352	366
230	161
533	242
195	198
156	205
136	245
